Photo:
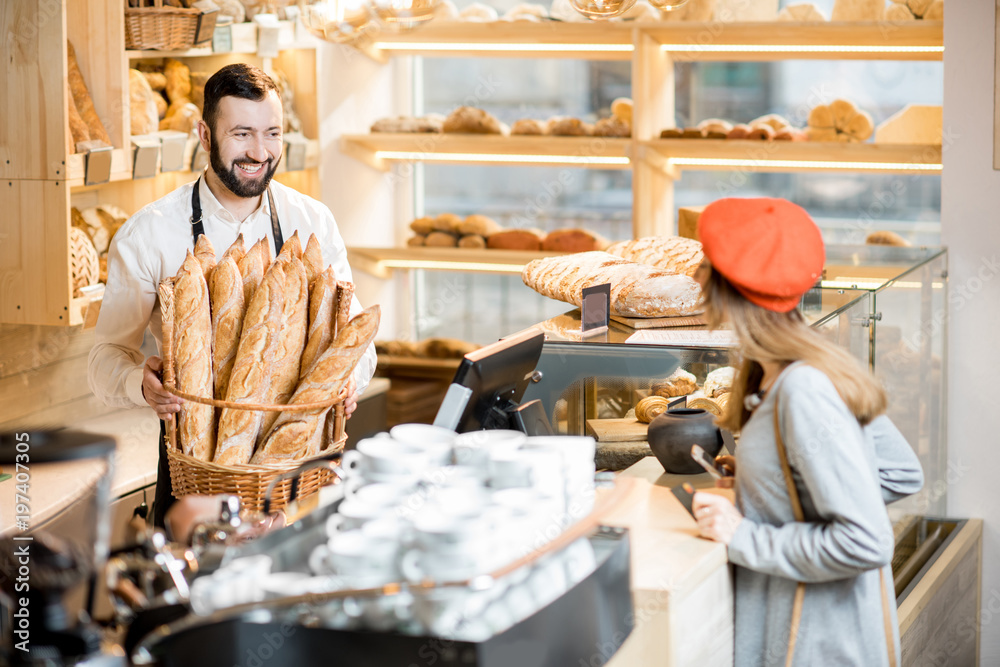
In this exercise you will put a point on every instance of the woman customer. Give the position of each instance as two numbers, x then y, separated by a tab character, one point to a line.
812	575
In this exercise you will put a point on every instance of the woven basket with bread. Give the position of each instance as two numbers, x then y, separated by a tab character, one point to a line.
166	26
261	352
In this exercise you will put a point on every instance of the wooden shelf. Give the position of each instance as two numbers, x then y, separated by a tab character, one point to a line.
244	42
779	40
587	152
869	40
381	261
794	156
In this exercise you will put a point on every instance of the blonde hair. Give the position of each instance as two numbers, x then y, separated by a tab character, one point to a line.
766	336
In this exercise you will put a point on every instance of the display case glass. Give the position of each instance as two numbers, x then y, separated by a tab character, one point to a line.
886	305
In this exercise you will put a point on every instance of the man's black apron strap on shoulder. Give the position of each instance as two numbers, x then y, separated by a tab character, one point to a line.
164	497
198	227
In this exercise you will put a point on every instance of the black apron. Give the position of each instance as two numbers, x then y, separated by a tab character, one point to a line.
164	497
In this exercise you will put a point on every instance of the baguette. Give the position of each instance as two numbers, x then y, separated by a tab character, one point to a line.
81	97
237	250
288	354
297	435
292	247
252	370
312	259
345	294
322	301
226	286
674	254
251	267
637	290
77	127
193	333
204	252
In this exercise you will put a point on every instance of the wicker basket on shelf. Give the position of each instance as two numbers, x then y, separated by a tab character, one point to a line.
166	28
84	265
190	475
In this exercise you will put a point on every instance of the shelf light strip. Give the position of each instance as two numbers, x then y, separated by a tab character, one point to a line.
449	266
798	48
502	159
476	46
801	164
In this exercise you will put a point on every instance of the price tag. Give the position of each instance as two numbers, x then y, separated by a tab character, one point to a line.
596	309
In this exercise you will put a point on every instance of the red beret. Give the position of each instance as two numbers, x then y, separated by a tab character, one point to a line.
769	249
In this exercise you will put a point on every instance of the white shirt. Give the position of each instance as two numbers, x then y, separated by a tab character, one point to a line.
152	245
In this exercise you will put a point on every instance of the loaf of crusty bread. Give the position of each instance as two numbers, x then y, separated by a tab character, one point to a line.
236	251
81	97
612	127
251	267
441	240
529	126
565	126
77	127
345	296
322	318
416	241
252	371
227	320
637	290
479	224
143	116
673	254
299	434
292	246
573	240
423	226
472	241
193	345
470	120
447	222
295	323
205	253
312	258
516	239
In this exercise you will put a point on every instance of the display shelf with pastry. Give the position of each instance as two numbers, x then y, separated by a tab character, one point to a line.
243	40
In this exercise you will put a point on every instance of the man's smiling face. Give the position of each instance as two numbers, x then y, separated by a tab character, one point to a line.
246	143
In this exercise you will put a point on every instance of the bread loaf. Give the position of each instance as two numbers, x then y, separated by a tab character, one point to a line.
77	127
81	97
237	250
157	80
479	224
528	126
292	247
516	239
288	355
472	241
441	240
934	11
312	259
447	222
423	226
739	131
143	115
297	435
565	126
345	296
226	288
673	254
470	120
204	251
612	127
416	241
193	345
621	108
573	240
322	318
252	370
251	267
885	237
177	81
444	348
637	290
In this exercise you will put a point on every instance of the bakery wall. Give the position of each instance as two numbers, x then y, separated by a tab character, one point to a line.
970	230
43	377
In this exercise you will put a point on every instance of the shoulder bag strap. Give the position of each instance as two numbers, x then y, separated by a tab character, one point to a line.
800	589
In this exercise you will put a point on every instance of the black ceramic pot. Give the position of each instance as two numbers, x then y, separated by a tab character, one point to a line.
671	435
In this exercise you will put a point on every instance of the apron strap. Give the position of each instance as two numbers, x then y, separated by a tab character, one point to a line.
198	227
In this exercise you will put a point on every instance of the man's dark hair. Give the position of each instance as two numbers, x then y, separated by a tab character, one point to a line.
238	80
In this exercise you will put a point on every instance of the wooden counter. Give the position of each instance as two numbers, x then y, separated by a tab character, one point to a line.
682	585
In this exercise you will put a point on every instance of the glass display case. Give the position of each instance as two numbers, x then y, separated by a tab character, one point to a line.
886	305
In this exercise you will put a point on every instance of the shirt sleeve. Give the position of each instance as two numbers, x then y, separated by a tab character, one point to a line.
336	249
851	531
115	364
898	466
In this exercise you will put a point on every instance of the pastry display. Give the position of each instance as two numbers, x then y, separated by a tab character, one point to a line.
637	290
673	254
679	383
839	121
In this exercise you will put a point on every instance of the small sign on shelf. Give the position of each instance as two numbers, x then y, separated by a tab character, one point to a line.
172	148
145	155
97	162
596	309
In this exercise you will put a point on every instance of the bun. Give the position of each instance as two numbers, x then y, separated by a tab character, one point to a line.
528	126
516	239
479	224
441	240
447	222
193	342
416	241
564	126
472	241
739	131
424	225
470	120
612	127
573	240
621	108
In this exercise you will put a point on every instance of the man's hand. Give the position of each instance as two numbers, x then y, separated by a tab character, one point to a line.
164	404
351	402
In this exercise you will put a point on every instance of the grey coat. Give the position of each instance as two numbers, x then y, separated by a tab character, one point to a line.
845	474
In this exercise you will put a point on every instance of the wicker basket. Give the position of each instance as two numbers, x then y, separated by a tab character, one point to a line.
84	265
167	28
190	475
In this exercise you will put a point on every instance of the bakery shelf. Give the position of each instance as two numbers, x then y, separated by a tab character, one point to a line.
779	40
794	156
868	40
380	149
380	262
510	39
244	42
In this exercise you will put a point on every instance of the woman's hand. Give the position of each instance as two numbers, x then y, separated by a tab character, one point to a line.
727	464
717	518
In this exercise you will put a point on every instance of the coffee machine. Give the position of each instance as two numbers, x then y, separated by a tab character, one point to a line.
40	569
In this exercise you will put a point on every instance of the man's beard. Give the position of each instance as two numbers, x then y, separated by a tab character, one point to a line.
229	177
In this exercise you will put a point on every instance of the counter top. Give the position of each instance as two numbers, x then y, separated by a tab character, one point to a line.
59	485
